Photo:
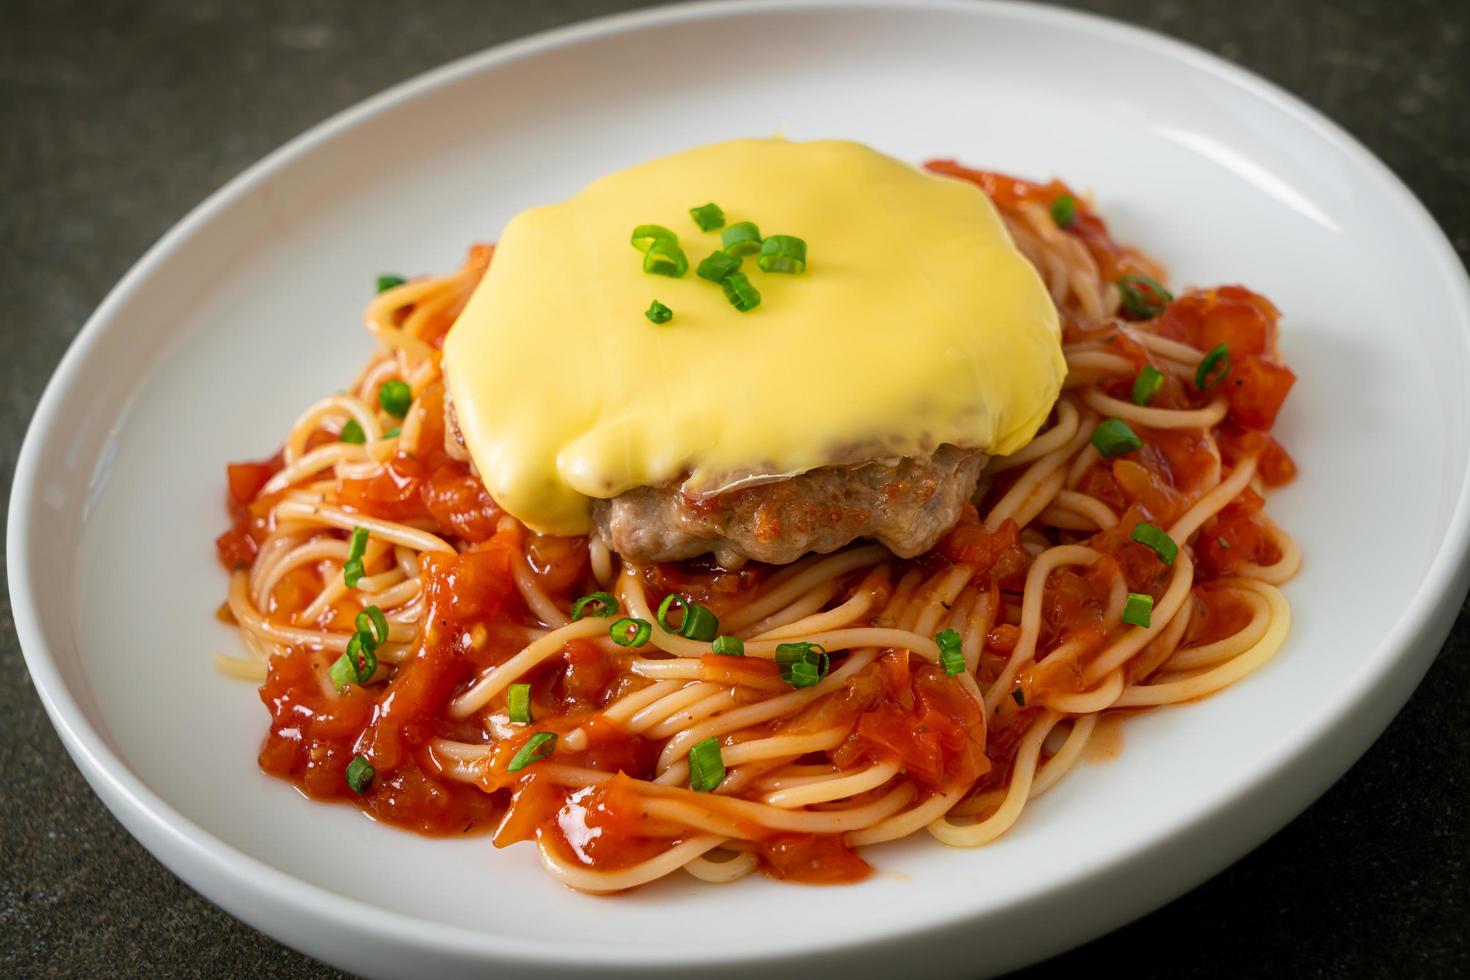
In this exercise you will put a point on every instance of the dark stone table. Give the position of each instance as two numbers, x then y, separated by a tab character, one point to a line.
116	118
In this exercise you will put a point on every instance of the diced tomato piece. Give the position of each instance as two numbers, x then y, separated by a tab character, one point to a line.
1121	342
1276	465
236	548
898	677
558	562
460	502
1141	567
393	494
1003	637
1159	477
588	671
1075	599
812	859
1236	536
247	478
1273	462
998	553
1146	488
1099	481
1188	456
941	741
466	588
1256	388
1231	315
294	592
410	796
1218	613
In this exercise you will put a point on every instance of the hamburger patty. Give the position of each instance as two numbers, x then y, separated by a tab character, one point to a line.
904	505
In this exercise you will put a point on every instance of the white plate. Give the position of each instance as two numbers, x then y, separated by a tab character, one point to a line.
249	309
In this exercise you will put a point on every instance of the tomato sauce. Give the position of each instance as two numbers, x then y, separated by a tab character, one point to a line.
315	733
602	826
899	709
249	512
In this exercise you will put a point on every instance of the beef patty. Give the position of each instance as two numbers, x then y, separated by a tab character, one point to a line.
904	505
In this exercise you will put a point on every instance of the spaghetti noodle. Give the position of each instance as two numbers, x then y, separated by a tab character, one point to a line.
1122	560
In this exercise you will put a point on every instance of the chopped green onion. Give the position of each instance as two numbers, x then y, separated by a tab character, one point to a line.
729	646
1139	610
708	216
372	618
352	432
393	433
697	623
360	661
604	604
783	253
951	657
1155	539
1145	298
359	774
362	652
1206	376
658	312
518	703
741	294
1064	211
645	235
671	602
1150	379
1220	540
389	281
352	572
700	624
537	747
706	767
717	265
1019	696
395	396
802	664
343	672
629	632
665	258
741	238
1113	438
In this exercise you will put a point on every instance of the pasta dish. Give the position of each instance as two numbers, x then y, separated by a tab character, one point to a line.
757	505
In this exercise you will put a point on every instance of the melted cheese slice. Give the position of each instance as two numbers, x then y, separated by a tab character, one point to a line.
916	323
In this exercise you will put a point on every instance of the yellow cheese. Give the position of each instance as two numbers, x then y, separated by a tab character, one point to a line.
916	323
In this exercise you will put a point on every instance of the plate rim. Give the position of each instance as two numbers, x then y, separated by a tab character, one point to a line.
178	842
